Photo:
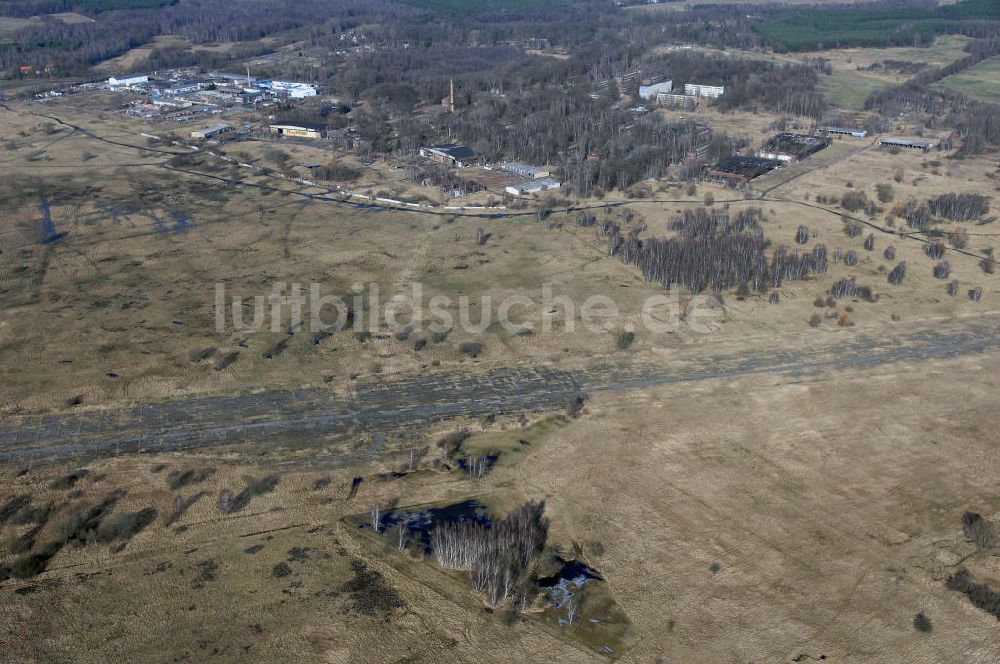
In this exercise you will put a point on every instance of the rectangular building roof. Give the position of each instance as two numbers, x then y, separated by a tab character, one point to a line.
523	168
905	142
454	151
859	133
795	145
315	126
744	167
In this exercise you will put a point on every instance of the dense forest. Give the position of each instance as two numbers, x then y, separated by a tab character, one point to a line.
389	61
23	8
878	25
613	35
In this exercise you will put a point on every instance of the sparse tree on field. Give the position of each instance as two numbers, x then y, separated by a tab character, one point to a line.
922	623
225	501
885	193
848	288
897	274
852	228
983	537
376	518
959	239
802	235
934	250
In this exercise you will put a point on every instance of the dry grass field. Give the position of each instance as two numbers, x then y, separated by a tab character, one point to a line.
733	520
135	58
786	510
981	81
129	275
677	5
11	24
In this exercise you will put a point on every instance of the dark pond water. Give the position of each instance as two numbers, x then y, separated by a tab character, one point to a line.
567	582
420	523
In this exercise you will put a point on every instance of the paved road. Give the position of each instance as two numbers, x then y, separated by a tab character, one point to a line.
379	418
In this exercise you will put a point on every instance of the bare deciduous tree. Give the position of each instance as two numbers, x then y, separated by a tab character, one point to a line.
572	610
934	250
402	534
478	466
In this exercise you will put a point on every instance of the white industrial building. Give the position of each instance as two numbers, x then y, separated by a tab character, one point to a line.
843	131
288	88
525	170
686	102
127	82
710	91
649	92
533	187
183	89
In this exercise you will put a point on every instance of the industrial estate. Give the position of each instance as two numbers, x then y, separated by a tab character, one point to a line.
499	331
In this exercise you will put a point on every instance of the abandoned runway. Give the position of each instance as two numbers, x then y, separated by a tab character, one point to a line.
382	417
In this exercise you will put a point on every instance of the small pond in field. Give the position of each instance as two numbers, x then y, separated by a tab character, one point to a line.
420	522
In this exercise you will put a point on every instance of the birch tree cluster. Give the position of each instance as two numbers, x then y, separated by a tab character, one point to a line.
713	248
850	289
498	558
959	207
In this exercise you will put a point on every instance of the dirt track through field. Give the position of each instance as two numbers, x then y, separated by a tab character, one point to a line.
377	418
336	198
